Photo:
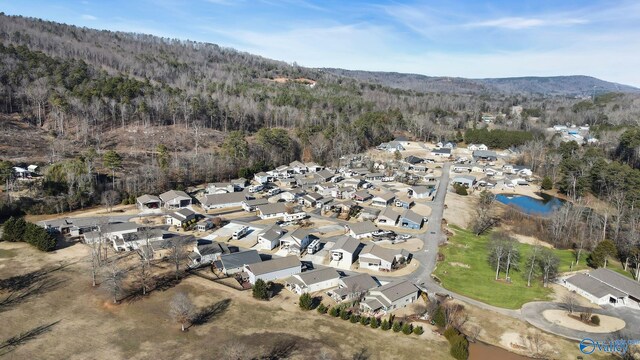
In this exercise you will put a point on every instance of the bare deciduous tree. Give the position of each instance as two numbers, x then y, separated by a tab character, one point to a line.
570	301
110	198
114	276
181	309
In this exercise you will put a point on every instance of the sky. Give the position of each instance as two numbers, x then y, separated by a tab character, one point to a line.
465	38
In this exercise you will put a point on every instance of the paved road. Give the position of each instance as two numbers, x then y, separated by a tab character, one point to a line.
532	313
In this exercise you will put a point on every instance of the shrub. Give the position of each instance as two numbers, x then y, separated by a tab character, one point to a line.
451	332
595	320
334	311
374	323
460	189
260	290
321	309
353	318
397	326
364	320
547	184
407	329
385	325
459	347
418	330
439	318
305	301
345	314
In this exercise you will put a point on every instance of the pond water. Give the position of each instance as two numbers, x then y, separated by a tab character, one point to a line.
482	351
530	205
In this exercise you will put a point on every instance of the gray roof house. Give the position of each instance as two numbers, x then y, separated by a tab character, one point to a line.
313	281
222	201
603	286
146	202
270	211
353	287
410	219
234	262
389	297
276	268
270	237
180	217
388	217
175	199
384	199
375	257
362	229
464	180
344	252
484	155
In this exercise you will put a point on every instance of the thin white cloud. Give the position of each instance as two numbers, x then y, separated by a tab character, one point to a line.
224	2
516	23
88	17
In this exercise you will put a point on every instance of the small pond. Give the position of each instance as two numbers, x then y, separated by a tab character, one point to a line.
530	205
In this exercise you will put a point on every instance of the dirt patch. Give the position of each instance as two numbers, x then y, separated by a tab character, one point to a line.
460	265
608	324
459	209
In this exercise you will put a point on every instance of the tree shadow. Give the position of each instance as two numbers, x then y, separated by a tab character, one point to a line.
275	289
22	287
282	349
12	343
361	354
210	312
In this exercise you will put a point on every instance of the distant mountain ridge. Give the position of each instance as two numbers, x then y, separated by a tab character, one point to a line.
572	85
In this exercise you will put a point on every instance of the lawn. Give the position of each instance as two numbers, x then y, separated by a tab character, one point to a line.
465	270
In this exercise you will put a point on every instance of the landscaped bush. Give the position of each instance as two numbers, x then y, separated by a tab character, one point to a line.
595	320
334	311
418	330
374	323
407	329
353	318
260	290
345	314
305	301
397	326
321	309
385	325
364	320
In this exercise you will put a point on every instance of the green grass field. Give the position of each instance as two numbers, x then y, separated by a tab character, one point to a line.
465	270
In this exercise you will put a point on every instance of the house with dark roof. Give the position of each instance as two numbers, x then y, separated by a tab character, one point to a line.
484	155
252	205
206	253
603	286
413	160
179	217
233	263
392	296
441	152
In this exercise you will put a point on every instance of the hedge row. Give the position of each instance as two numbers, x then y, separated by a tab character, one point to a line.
17	229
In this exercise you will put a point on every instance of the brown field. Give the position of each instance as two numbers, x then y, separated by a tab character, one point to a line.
69	319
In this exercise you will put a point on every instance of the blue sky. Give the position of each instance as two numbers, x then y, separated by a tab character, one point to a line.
440	38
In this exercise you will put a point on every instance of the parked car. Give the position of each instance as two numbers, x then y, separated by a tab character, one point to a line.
403	237
383	233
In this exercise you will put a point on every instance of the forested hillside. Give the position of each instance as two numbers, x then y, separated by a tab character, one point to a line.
179	113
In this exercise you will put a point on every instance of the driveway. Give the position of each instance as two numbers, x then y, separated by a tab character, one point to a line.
532	313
